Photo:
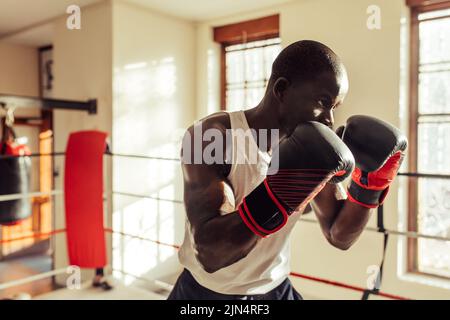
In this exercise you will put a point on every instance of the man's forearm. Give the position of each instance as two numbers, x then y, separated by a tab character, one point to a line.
222	241
341	221
349	224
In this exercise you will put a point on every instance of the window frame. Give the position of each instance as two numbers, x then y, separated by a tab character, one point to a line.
240	33
417	7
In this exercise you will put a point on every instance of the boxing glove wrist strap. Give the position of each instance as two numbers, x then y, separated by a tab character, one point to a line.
263	212
366	197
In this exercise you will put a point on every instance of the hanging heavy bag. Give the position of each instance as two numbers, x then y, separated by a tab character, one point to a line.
14	178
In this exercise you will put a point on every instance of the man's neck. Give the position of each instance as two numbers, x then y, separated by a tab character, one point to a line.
263	117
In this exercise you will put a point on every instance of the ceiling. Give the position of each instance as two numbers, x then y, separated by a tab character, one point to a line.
17	15
201	10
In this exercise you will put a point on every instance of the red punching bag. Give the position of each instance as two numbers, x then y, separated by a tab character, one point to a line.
83	197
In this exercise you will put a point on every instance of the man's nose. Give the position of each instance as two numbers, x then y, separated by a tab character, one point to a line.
328	119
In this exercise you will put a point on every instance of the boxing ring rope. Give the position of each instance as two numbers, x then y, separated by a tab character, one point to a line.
134	195
408	234
146	157
34	236
346	286
109	230
33	278
18	196
294	274
168	286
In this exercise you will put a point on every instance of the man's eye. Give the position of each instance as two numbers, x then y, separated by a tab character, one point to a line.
323	102
326	103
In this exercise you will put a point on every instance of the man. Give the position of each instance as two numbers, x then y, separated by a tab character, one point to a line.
236	243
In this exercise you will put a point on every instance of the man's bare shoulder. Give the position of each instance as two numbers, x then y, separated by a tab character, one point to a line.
219	120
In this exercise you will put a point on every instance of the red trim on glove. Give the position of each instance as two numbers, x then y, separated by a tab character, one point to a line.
380	179
248	224
253	225
369	206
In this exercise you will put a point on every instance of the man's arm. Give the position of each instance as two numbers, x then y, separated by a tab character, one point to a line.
222	240
341	221
219	240
379	149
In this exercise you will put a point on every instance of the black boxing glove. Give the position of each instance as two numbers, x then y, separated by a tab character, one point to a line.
308	159
378	148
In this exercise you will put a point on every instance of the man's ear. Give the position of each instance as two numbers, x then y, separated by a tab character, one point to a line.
279	88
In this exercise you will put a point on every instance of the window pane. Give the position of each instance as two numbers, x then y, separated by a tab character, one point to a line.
434	147
254	64
235	47
270	53
254	95
235	99
434	14
235	66
434	91
434	41
433	142
248	67
434	219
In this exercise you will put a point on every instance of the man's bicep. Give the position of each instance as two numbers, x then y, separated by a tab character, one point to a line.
204	194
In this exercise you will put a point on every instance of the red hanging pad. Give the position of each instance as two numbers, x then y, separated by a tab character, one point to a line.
83	194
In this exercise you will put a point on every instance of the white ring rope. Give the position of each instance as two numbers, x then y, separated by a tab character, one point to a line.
36	277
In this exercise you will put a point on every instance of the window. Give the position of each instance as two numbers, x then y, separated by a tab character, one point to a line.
248	51
429	198
248	69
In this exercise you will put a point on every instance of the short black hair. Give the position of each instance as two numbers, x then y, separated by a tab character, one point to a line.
304	60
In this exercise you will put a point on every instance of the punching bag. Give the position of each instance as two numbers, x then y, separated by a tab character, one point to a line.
83	199
14	179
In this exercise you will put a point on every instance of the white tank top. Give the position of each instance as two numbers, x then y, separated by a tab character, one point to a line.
268	264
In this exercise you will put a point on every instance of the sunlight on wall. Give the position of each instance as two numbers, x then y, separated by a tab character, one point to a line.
146	218
144	100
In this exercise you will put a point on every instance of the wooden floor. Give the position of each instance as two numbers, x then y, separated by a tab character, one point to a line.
87	292
20	268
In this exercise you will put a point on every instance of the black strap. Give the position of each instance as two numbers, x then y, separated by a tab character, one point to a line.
3	137
381	228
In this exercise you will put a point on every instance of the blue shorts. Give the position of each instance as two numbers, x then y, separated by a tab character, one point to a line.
187	288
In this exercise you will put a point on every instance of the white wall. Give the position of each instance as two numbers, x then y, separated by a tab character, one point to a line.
18	70
82	71
143	75
154	99
373	62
